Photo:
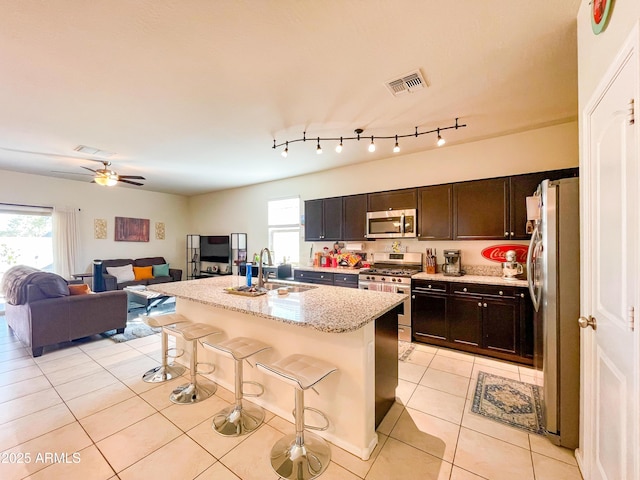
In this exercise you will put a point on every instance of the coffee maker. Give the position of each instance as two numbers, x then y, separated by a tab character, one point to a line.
451	266
510	267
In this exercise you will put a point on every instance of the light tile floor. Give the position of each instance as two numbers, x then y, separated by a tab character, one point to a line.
81	411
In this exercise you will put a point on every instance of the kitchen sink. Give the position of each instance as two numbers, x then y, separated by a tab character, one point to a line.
290	288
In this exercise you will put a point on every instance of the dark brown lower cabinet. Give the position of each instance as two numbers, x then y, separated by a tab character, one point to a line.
492	320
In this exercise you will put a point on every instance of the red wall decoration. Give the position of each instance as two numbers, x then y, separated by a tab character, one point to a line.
496	253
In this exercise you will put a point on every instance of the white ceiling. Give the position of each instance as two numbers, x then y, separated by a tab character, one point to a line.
192	93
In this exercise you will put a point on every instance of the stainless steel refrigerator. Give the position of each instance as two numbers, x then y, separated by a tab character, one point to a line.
553	266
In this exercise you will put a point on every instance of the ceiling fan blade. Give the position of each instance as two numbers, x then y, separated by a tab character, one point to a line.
72	173
90	169
130	177
128	181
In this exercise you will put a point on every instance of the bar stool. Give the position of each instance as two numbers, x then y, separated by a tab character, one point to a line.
238	419
165	371
192	392
300	456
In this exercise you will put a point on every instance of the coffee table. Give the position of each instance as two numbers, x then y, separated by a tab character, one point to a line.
146	298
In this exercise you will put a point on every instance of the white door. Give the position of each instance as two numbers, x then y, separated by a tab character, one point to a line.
610	360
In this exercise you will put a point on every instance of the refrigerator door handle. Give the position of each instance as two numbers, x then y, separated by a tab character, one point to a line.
531	266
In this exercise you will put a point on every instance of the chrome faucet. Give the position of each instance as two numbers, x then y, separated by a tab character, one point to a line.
261	280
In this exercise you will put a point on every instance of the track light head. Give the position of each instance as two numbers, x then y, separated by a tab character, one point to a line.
318	148
339	146
372	146
396	148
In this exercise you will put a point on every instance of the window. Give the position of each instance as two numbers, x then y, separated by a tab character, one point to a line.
25	237
283	216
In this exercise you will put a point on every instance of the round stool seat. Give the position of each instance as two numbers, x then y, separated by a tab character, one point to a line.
192	331
165	371
192	392
242	417
237	348
300	371
162	320
304	455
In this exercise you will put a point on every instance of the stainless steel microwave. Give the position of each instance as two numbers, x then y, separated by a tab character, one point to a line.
391	224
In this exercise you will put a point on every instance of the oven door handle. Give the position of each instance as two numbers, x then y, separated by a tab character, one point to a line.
402	224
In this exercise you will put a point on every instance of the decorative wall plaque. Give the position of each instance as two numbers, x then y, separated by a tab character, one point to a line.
100	229
159	230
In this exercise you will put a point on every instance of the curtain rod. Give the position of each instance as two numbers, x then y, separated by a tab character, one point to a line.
21	205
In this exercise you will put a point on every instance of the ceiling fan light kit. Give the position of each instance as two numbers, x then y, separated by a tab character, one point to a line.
440	141
108	178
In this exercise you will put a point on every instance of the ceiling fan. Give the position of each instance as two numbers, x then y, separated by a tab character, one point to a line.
108	178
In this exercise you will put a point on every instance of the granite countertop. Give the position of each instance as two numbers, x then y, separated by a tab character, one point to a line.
484	279
330	269
323	308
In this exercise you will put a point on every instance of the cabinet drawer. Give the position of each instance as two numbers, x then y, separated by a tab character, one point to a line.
313	277
429	286
499	291
348	280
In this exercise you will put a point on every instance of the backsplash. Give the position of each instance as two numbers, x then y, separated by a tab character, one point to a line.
486	270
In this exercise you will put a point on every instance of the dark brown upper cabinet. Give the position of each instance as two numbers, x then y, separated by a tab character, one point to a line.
435	212
354	217
393	200
481	209
323	219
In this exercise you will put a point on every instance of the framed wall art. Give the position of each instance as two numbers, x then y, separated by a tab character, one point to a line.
131	229
100	229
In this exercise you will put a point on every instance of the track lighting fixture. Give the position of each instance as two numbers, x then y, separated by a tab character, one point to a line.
396	149
372	146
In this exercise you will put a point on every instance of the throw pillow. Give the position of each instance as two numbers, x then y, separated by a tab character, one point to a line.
143	273
161	270
122	274
79	289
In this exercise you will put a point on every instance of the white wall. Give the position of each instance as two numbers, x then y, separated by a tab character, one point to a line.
94	202
244	209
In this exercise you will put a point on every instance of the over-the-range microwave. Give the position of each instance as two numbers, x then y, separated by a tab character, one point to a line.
391	224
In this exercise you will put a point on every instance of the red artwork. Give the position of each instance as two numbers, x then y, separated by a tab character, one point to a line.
131	229
496	253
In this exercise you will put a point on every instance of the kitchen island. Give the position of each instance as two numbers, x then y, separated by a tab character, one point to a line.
356	330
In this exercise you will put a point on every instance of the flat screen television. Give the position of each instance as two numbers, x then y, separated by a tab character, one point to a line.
215	248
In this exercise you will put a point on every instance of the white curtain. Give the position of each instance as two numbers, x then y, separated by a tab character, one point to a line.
66	241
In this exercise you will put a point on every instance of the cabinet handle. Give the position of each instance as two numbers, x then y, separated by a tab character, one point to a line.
464	289
321	276
302	274
413	296
484	305
512	234
522	295
429	286
479	304
419	234
500	292
506	234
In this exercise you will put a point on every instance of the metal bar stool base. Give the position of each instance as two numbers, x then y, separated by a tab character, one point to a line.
300	462
192	393
238	420
162	373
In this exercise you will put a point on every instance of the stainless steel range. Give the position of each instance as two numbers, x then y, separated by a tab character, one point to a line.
391	272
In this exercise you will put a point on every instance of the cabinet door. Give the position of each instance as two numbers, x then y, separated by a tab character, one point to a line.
429	316
349	280
332	218
500	324
481	209
313	220
435	212
464	319
393	200
354	217
523	186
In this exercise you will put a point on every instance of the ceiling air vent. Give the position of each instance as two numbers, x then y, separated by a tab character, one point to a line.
408	83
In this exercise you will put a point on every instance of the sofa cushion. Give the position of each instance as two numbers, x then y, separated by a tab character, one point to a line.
143	273
122	274
161	270
147	261
50	284
79	289
163	279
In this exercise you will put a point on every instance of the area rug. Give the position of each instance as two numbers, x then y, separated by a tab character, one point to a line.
405	349
135	328
508	401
